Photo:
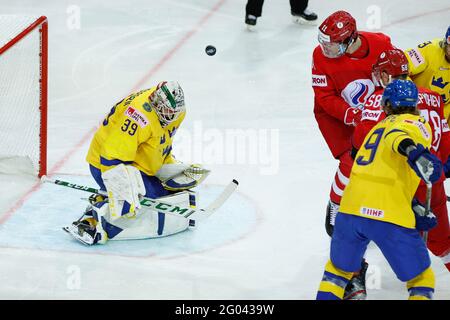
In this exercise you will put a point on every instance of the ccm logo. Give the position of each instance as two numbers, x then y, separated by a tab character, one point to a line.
319	81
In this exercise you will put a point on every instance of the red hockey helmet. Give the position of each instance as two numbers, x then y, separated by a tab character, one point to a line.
393	62
336	33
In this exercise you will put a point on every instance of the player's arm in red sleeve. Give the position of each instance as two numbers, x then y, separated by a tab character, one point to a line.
327	96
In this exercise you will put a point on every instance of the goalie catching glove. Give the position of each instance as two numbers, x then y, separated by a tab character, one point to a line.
124	185
179	177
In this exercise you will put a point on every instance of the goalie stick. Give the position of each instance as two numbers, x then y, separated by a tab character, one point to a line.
161	206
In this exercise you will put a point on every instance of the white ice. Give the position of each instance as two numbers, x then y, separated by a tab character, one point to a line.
268	242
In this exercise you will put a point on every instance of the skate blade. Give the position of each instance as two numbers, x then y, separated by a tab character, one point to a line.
74	233
300	20
358	295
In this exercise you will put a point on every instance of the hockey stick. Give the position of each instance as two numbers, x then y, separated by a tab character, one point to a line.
161	206
427	209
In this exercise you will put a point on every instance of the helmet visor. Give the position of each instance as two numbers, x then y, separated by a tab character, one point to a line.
331	49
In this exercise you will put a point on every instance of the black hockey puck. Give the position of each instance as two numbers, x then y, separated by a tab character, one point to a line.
210	50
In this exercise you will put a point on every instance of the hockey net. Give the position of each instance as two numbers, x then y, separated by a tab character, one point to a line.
23	94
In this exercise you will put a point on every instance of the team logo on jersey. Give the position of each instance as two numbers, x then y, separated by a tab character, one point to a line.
371	212
439	82
137	116
319	81
416	57
357	92
147	106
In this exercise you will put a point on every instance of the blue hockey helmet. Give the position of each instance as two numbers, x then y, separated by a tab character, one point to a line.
400	93
447	36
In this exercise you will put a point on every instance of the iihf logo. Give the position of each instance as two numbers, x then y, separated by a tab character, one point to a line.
357	92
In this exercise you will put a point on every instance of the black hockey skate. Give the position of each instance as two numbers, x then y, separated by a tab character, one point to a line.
250	21
306	17
356	287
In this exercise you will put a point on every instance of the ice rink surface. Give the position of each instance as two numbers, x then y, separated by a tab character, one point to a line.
268	241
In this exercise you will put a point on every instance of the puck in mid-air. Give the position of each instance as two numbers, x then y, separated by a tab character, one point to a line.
210	50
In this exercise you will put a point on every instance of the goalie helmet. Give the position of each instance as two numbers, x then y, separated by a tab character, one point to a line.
400	93
168	101
337	33
393	62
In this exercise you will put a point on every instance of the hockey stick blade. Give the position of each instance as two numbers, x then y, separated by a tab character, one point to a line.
161	206
216	204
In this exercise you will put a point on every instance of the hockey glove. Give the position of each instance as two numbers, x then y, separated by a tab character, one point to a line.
423	223
189	178
426	165
352	116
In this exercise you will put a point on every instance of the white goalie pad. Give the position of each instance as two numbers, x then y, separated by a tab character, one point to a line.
149	224
189	178
123	183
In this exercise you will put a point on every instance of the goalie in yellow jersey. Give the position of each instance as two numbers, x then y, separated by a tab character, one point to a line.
378	205
131	156
429	65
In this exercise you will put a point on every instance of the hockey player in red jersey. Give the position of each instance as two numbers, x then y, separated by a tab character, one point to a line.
342	81
393	64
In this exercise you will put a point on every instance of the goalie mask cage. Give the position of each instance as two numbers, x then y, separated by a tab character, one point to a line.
23	94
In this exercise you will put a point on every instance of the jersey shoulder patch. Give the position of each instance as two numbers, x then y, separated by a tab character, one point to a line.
416	57
422	127
137	116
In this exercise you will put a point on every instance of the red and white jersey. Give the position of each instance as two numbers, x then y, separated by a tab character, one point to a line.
431	108
341	83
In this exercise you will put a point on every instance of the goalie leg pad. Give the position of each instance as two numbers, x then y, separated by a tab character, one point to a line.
150	223
124	185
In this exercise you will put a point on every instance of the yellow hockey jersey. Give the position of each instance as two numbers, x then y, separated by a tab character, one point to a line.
382	184
429	69
131	133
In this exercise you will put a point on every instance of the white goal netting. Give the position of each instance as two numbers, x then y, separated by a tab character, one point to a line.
21	96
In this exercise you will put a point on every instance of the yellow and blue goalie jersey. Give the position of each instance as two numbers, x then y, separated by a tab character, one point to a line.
429	69
382	184
131	133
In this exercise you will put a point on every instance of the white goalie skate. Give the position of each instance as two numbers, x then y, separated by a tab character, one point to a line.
84	232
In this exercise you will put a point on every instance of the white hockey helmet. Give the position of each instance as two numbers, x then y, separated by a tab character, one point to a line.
168	101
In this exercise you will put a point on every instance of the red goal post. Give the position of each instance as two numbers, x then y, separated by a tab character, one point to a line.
23	93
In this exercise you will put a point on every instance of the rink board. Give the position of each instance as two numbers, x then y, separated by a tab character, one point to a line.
37	224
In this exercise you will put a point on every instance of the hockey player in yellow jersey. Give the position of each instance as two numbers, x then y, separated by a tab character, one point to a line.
429	65
131	156
378	204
